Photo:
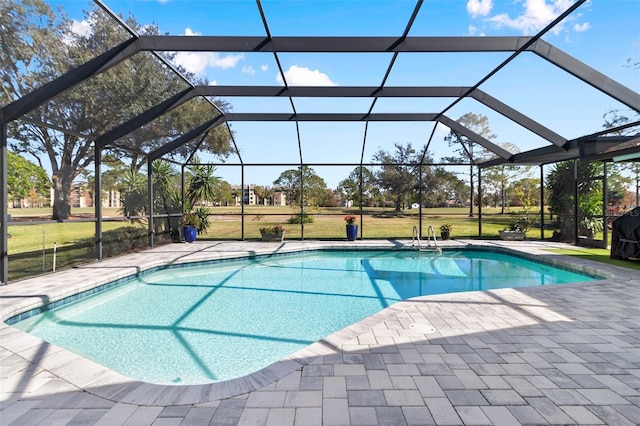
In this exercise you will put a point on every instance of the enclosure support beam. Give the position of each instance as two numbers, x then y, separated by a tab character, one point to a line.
4	204
194	133
479	201
242	202
587	74
287	44
576	205
361	198
301	200
145	117
97	200
542	201
605	203
182	195
420	202
76	76
459	128
150	200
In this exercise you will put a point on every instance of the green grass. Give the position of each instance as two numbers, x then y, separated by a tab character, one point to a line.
27	257
226	224
31	246
377	223
596	255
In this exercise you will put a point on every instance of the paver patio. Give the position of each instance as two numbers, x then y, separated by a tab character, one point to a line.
566	354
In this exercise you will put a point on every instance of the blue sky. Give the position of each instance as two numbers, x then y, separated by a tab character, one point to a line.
601	33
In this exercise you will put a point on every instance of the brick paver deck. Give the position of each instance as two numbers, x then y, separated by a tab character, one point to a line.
565	354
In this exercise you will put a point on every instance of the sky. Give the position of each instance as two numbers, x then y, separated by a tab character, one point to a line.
604	34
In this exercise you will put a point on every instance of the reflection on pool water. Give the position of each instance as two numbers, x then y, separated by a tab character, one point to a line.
223	320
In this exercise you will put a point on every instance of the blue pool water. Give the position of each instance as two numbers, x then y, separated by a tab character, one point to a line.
219	321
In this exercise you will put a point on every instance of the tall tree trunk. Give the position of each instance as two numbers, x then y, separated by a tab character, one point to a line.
61	199
399	201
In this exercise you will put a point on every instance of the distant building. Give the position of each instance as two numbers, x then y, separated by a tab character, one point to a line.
81	196
247	195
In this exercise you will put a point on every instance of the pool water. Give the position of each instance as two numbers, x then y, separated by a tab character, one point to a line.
219	321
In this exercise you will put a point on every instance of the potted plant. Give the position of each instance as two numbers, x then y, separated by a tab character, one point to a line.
590	221
445	230
352	228
272	233
190	224
517	230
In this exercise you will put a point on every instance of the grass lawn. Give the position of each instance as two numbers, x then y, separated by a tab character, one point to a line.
597	255
31	244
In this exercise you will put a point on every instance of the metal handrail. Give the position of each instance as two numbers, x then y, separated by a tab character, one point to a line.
415	236
430	233
435	240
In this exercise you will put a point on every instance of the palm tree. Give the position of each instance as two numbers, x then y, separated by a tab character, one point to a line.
166	190
202	183
202	186
261	194
134	195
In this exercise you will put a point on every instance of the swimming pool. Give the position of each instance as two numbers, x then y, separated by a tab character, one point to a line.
215	322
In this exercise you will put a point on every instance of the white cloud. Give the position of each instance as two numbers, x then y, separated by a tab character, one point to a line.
213	83
81	28
303	76
479	7
264	67
537	14
77	29
197	62
473	31
248	69
581	27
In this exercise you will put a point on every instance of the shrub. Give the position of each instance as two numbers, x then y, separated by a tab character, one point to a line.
520	223
276	229
120	241
300	218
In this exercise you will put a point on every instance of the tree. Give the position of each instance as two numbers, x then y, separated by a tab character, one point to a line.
313	186
261	194
617	183
634	168
614	118
467	150
499	178
39	49
223	195
398	175
525	192
134	195
561	183
446	187
351	190
25	177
